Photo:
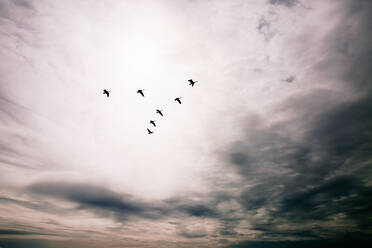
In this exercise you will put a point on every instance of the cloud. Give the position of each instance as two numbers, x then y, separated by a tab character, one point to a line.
340	243
41	206
193	234
44	243
265	28
287	3
290	79
308	175
293	163
18	232
122	207
323	177
97	199
344	196
199	211
24	3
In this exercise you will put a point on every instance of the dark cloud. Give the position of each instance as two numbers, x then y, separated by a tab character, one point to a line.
20	243
290	79
340	243
200	211
98	199
344	196
122	207
256	197
287	3
323	177
18	232
44	243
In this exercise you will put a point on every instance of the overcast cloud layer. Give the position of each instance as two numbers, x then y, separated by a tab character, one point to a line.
271	148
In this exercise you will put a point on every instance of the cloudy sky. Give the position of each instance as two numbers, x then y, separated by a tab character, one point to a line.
271	148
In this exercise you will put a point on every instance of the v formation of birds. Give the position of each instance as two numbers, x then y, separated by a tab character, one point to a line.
158	111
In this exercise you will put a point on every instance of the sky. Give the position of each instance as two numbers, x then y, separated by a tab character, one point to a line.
270	148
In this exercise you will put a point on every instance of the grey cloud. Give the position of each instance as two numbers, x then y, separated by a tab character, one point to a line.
10	114
192	232
24	3
264	28
343	195
122	207
200	211
100	200
44	243
256	197
14	120
19	232
290	79
287	3
342	242
38	205
323	176
10	10
263	24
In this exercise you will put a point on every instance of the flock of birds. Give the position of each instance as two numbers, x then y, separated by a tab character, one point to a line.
158	111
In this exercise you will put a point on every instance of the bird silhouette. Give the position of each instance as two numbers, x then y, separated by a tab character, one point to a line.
178	99
192	82
149	131
158	111
153	123
141	92
107	92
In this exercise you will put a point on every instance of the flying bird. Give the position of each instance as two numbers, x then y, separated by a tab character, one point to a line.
158	111
141	92
107	92
192	82
153	123
149	131
178	99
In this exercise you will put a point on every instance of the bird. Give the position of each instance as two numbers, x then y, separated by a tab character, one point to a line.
149	131
141	92
192	82
158	111
153	123
178	99
107	92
